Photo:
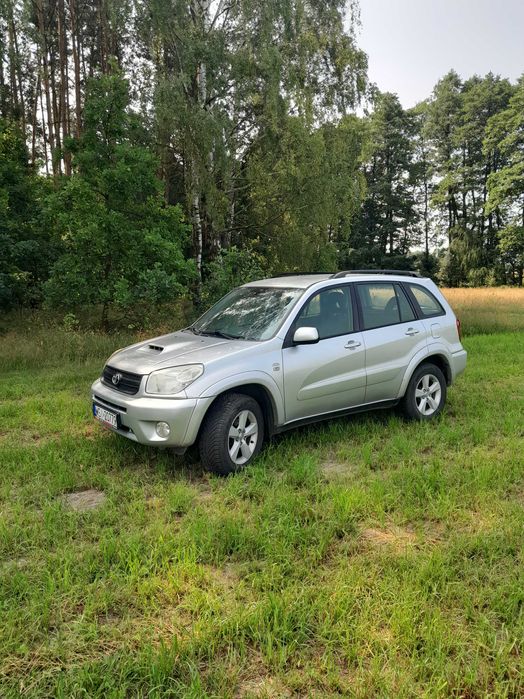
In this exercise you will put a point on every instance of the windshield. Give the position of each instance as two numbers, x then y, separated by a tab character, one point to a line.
248	313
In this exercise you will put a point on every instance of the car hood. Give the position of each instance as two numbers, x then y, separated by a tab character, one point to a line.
175	349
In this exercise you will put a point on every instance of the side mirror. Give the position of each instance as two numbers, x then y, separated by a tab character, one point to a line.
305	336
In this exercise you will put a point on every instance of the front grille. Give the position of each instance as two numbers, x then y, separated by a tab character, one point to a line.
128	383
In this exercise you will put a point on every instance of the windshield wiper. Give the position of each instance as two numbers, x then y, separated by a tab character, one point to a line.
219	333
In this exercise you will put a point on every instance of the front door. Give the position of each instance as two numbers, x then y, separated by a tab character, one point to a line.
331	374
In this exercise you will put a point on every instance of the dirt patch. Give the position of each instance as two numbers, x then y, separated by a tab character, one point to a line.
397	538
262	688
227	575
90	431
334	469
13	564
205	493
84	500
108	619
153	502
29	438
425	533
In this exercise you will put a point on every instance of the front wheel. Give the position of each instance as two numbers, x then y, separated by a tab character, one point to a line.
426	393
232	434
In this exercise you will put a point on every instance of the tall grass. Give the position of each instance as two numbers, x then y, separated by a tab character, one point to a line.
488	310
33	340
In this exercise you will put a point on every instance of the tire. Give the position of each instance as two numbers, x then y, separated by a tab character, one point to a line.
232	434
426	393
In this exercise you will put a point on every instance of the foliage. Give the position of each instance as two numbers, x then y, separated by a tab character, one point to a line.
231	268
26	250
253	142
505	140
511	246
385	224
227	78
304	188
120	244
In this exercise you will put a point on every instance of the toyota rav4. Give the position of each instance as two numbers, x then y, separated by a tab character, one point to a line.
277	353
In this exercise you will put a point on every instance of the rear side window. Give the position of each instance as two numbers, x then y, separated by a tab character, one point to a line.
383	303
428	304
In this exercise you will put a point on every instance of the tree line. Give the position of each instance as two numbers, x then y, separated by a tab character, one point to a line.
151	149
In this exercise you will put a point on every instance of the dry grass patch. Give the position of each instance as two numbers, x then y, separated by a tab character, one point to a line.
262	688
335	469
256	682
394	537
84	500
400	539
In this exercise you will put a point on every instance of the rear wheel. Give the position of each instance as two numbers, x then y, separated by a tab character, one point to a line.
426	393
232	434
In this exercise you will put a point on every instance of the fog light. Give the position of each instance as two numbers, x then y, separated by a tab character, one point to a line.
163	429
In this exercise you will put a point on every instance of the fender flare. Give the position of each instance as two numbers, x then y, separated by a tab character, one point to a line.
435	348
251	377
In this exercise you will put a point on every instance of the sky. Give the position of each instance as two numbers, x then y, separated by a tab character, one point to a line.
412	43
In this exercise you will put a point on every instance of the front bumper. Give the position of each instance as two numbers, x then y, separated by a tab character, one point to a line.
139	414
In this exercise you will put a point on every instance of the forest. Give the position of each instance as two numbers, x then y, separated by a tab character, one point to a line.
154	150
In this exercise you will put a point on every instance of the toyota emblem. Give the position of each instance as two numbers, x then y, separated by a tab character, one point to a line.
115	379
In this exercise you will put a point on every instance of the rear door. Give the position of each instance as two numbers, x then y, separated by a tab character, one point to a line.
392	335
329	375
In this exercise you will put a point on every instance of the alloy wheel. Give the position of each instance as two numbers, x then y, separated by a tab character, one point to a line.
242	437
428	394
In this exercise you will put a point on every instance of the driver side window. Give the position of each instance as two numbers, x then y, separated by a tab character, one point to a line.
383	303
329	311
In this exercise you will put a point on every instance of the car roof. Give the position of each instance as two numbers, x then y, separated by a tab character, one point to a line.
303	281
291	281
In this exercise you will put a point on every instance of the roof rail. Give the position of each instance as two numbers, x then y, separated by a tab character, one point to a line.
294	274
398	272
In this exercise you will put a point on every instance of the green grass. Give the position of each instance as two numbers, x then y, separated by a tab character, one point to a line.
365	557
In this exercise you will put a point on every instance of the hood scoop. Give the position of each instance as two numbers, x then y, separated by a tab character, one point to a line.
152	348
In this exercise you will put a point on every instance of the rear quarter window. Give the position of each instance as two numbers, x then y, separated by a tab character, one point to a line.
429	306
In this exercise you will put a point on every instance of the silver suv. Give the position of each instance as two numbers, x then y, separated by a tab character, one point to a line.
277	353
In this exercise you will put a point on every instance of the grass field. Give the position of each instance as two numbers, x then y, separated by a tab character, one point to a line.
364	557
487	310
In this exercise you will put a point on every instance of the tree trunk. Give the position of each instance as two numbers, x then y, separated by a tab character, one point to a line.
3	105
34	119
16	73
63	98
426	214
75	41
42	30
44	134
201	19
56	115
102	19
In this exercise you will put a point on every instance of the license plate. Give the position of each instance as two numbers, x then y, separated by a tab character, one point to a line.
105	416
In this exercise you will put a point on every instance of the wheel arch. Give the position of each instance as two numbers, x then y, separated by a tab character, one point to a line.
258	392
437	358
442	362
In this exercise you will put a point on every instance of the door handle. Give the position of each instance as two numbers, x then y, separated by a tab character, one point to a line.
352	344
412	331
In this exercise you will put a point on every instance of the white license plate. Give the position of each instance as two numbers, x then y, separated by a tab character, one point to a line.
105	416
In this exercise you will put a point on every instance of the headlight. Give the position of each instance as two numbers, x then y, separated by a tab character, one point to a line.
169	381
